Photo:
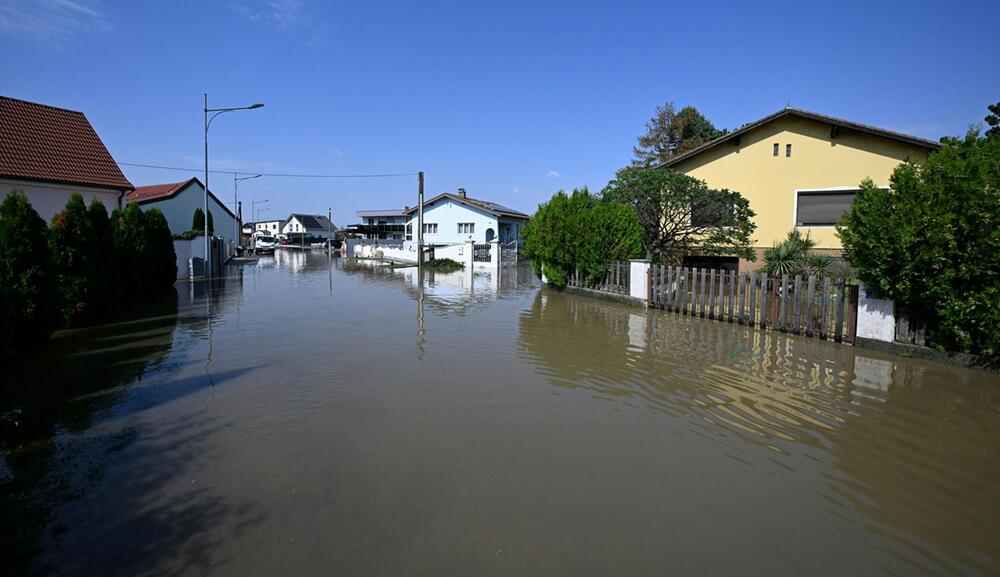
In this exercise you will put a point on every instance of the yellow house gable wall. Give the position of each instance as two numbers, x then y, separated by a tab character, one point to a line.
817	162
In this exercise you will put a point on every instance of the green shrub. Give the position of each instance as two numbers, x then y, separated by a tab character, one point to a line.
105	263
129	233
160	258
792	256
580	232
931	242
74	256
198	220
26	274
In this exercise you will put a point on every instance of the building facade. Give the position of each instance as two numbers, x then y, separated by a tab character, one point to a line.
51	153
448	219
178	202
800	170
308	228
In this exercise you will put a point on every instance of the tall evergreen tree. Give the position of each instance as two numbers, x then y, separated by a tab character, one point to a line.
671	132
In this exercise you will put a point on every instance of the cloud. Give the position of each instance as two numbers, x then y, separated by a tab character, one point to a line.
337	152
552	174
284	15
516	190
52	23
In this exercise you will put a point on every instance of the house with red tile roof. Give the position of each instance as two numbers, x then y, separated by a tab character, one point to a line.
50	153
178	201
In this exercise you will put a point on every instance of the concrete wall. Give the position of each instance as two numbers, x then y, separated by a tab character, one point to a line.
817	162
50	199
179	211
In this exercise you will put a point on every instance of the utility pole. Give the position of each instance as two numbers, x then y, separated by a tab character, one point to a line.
329	225
420	218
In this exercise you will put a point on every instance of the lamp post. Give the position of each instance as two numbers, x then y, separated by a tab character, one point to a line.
236	184
254	210
208	122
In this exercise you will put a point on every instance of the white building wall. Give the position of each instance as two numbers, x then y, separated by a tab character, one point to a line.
50	199
447	213
270	226
179	211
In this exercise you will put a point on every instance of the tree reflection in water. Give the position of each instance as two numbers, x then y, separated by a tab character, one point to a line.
908	446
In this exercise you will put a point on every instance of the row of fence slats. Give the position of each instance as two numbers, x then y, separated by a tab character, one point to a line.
744	298
615	280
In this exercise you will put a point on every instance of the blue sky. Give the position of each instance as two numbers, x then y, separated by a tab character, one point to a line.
510	100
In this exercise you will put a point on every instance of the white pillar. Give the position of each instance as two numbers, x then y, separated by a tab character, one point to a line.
495	253
637	279
469	254
876	317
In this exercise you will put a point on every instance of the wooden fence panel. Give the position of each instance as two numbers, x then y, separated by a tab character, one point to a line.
839	334
753	299
810	300
797	312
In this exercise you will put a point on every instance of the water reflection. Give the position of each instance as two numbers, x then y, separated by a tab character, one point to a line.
312	415
907	448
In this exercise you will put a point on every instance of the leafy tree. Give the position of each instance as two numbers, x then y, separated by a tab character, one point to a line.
74	255
198	221
993	120
160	257
579	232
681	215
671	132
26	275
931	242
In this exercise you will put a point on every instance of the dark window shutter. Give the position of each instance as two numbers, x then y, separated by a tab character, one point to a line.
823	208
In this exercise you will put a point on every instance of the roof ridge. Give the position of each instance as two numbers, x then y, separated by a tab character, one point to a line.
60	108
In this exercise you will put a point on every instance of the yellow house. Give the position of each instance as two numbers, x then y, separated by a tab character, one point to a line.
799	170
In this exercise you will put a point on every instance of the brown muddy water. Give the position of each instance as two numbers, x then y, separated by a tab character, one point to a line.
315	417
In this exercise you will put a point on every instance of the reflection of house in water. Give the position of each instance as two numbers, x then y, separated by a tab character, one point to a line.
453	291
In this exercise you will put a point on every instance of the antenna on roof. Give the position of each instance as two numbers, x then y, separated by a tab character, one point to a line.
789	104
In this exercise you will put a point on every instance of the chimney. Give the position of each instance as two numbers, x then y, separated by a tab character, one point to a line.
461	193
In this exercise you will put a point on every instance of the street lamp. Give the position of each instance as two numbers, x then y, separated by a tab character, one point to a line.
208	122
253	208
236	203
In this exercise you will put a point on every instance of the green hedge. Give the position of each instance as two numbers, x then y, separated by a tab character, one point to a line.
76	271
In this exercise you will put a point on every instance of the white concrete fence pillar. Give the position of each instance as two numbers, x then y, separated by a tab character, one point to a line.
638	279
876	317
470	254
495	252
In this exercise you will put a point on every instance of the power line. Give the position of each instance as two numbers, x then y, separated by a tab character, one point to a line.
273	174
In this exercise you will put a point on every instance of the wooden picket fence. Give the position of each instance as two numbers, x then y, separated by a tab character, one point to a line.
615	280
813	306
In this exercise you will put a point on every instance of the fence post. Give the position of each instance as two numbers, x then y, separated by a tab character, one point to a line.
763	300
824	323
852	313
797	310
775	298
810	298
753	299
838	334
740	288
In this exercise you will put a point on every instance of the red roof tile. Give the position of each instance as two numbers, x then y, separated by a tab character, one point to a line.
157	191
39	142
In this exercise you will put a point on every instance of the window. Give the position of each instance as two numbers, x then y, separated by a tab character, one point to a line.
409	231
776	146
430	228
822	207
788	150
466	228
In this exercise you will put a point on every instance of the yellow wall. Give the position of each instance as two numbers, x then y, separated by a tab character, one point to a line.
769	182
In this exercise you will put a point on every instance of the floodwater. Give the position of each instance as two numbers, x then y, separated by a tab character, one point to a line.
318	417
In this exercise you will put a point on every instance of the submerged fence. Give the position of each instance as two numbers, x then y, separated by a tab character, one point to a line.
813	306
615	279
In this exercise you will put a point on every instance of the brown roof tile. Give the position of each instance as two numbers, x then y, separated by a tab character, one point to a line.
39	142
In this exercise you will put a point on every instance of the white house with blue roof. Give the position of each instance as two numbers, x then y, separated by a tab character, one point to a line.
448	219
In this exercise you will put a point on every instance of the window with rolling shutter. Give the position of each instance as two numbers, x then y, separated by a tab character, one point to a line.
823	207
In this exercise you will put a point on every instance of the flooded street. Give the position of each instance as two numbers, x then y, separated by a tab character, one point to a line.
318	417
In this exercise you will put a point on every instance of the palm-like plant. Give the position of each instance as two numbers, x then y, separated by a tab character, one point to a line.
783	258
819	264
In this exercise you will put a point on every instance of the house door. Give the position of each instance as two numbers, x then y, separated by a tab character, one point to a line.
490	234
505	233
